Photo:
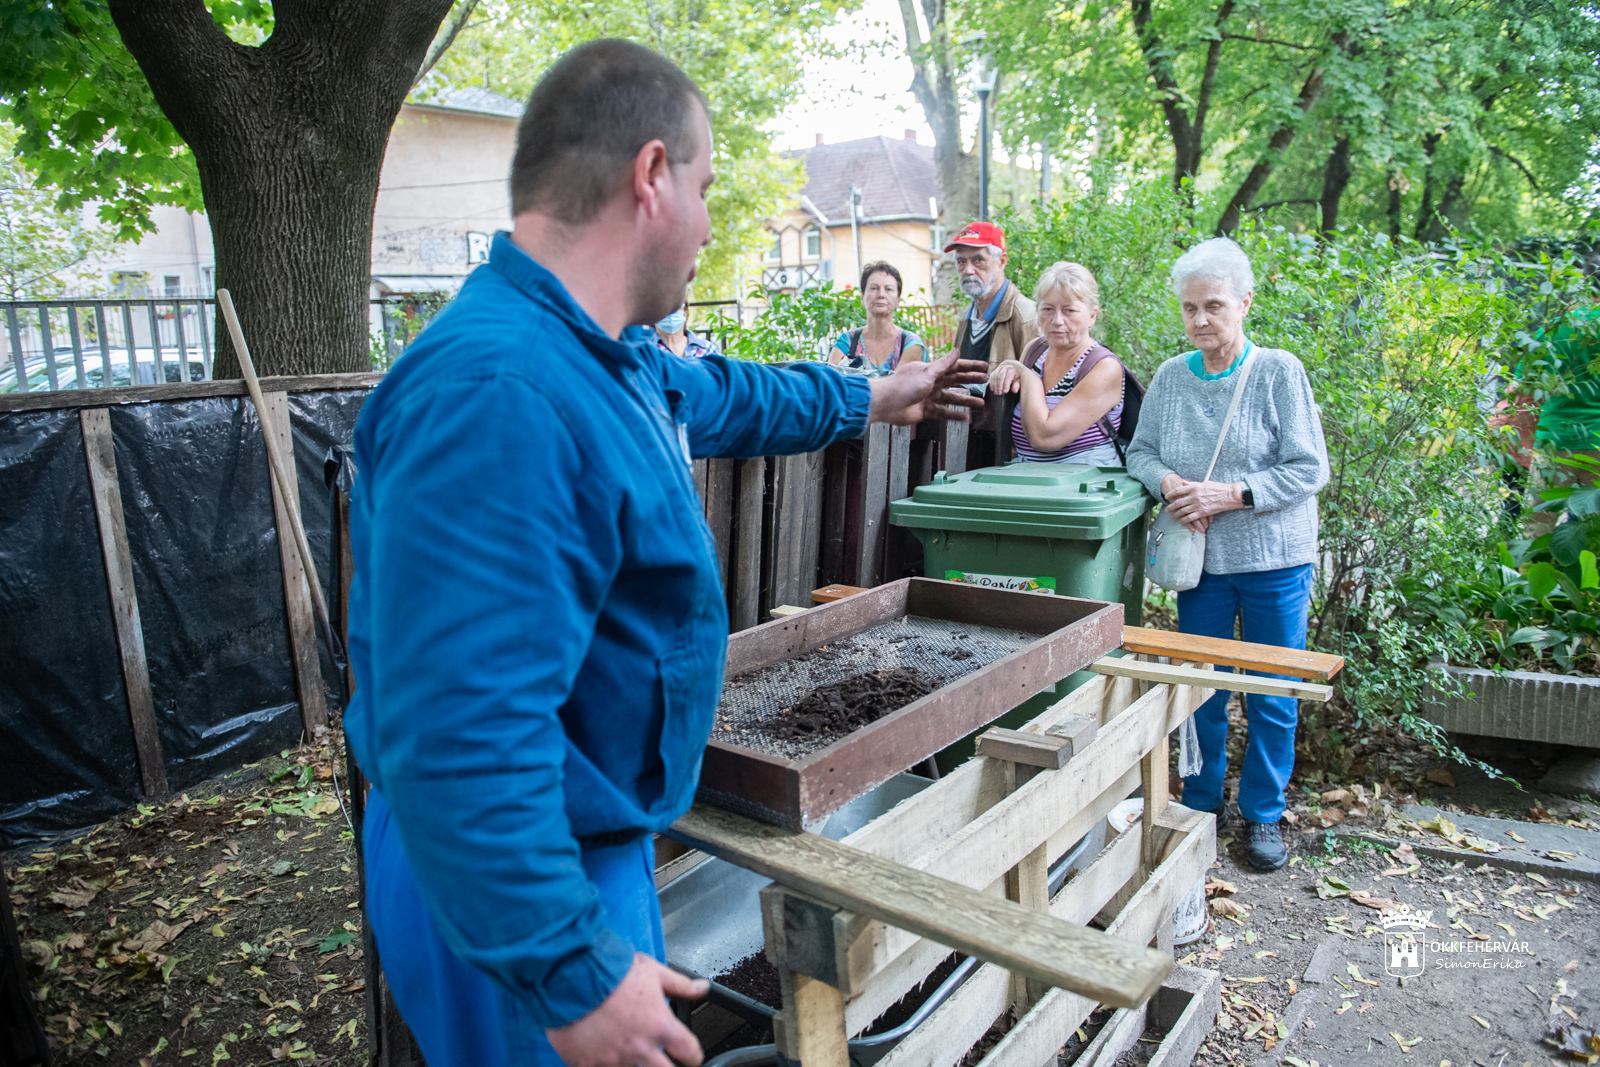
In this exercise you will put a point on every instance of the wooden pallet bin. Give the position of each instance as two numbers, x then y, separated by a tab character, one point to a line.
993	826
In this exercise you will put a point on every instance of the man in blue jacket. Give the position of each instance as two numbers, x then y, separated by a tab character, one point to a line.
537	622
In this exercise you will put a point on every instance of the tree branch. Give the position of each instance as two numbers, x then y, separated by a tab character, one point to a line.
453	25
1503	154
1280	140
1270	204
1267	40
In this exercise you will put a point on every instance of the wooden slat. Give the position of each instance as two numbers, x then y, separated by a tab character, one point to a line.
719	511
836	502
874	505
829	593
107	494
998	931
945	1036
894	537
1316	666
1031	750
1103	775
1236	683
145	394
955	447
746	589
305	658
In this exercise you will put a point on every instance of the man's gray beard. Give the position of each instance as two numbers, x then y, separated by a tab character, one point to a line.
973	287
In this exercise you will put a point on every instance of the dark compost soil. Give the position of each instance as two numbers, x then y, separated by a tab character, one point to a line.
842	707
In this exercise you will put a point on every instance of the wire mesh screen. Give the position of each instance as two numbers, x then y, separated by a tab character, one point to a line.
939	650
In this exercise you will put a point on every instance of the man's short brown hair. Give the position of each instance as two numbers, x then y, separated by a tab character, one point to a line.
586	121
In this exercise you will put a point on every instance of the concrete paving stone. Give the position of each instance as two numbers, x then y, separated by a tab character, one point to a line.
1534	854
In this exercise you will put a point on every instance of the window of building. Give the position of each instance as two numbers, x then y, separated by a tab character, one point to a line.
813	243
776	251
172	285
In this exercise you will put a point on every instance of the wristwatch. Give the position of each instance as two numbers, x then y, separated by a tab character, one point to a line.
1247	498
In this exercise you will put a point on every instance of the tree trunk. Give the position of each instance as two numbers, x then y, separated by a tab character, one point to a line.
1425	210
1335	176
1394	205
1188	133
1280	140
934	83
289	140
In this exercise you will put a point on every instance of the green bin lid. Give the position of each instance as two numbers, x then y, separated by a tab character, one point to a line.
1067	500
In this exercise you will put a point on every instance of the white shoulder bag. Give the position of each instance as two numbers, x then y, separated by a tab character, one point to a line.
1175	555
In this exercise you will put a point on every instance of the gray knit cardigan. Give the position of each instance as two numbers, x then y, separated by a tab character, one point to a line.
1274	447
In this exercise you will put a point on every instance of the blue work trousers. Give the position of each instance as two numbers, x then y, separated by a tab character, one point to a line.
1272	607
459	1016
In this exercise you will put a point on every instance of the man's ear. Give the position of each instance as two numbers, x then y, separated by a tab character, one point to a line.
650	169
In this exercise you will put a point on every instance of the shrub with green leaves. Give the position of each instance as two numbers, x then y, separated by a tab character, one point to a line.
1401	342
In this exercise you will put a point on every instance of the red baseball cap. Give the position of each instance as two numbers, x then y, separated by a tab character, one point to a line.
979	233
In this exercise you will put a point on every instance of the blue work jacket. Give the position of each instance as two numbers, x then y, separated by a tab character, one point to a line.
537	622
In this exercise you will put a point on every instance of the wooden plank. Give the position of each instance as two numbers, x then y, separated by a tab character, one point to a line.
945	1036
874	505
815	1037
146	394
697	475
1030	750
810	548
955	446
998	931
107	494
304	655
792	568
1028	884
1236	683
347	574
1055	808
1316	666
719	511
1153	783
835	504
829	593
746	590
894	537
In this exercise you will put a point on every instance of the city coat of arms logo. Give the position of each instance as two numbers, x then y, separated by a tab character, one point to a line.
1403	943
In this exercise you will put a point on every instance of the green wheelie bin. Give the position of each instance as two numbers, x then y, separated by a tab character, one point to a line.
1053	528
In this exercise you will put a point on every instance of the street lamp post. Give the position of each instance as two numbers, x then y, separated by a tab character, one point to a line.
983	79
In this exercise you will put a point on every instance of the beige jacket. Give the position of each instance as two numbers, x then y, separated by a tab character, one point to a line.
1015	324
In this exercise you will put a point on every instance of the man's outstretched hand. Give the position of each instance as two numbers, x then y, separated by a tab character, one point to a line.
633	1027
918	391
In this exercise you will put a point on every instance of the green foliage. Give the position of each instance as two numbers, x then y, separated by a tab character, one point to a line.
89	127
795	326
1398	340
43	248
1476	114
746	56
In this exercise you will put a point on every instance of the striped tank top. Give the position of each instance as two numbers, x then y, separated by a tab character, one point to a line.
1091	440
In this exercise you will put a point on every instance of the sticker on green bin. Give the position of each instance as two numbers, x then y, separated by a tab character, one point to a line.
1042	584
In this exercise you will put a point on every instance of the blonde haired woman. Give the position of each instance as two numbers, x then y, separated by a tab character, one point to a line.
1069	386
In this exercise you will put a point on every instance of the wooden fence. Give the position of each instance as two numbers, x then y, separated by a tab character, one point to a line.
785	525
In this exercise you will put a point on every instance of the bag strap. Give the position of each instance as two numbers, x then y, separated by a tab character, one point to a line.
1233	405
1035	350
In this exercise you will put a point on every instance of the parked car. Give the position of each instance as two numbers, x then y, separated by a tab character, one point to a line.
95	371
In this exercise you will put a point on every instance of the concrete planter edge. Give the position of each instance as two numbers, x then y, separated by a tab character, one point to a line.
1562	709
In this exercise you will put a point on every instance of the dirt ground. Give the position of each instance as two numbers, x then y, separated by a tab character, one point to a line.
1507	956
220	927
223	926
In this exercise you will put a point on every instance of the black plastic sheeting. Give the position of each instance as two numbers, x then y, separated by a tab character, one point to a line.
198	508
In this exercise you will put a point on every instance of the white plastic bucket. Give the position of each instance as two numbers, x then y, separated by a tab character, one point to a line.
1189	918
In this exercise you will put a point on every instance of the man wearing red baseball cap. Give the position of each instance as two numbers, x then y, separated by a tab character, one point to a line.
1001	321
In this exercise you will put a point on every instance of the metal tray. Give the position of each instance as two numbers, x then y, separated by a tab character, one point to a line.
1049	638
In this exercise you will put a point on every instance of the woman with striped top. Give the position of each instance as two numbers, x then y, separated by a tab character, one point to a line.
1070	400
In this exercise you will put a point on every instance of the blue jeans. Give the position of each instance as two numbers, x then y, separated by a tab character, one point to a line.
459	1016
1272	606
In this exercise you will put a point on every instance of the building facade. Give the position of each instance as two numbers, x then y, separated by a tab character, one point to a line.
872	199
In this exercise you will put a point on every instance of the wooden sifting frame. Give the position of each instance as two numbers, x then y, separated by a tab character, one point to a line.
993	826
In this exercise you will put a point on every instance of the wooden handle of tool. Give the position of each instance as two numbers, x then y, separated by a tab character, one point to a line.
280	476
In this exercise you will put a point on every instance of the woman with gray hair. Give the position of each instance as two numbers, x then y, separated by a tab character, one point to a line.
1257	507
1070	386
